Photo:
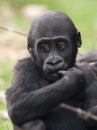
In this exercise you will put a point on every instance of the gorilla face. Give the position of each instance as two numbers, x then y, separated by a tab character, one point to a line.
53	54
53	41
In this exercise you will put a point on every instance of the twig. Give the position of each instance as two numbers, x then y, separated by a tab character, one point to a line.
81	113
12	30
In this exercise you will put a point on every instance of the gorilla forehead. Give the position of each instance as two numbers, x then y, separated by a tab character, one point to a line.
53	24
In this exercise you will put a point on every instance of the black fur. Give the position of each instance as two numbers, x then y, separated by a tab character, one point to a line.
42	82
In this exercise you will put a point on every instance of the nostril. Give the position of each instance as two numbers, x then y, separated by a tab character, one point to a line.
54	62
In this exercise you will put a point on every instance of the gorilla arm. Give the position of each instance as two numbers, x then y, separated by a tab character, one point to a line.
90	71
35	104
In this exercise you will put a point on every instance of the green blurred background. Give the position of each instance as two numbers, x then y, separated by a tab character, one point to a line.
19	14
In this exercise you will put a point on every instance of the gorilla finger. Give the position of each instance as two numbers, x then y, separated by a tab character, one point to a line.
62	72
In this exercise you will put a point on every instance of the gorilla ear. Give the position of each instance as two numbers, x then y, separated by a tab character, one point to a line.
29	47
79	41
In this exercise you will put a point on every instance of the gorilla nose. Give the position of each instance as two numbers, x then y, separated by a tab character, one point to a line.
54	61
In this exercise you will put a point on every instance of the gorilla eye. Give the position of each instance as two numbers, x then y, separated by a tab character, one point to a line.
61	46
45	48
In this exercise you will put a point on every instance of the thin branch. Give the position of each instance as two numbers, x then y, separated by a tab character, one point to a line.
12	30
81	113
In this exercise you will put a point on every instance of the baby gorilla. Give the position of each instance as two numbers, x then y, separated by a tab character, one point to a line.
48	78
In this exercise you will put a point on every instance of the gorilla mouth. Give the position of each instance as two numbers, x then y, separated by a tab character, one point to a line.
53	72
53	76
55	68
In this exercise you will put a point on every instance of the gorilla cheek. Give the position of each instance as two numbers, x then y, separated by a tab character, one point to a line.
45	68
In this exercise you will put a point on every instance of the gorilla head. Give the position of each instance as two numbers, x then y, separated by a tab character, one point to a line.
53	41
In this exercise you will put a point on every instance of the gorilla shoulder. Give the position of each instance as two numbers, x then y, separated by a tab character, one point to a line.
26	63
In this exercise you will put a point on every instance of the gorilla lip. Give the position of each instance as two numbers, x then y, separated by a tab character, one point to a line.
54	68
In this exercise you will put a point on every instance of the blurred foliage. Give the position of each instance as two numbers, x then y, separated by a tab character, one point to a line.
5	77
5	73
2	106
82	12
5	125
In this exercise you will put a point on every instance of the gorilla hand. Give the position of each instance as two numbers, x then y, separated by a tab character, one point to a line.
73	76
